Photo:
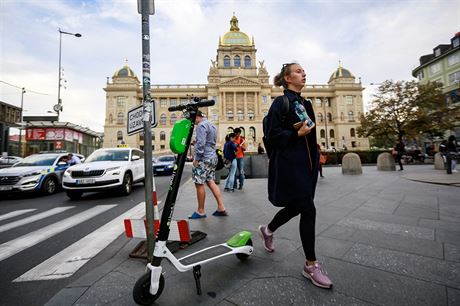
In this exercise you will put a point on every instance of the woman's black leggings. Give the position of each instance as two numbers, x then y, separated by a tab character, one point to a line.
306	209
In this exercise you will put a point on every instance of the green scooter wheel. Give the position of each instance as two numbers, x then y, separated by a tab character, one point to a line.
141	291
243	256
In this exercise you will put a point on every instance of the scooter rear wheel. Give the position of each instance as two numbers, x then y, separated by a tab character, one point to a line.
243	256
141	291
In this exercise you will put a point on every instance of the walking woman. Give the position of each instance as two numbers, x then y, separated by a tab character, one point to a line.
293	168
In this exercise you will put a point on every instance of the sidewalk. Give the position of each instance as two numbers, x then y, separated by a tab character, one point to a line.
384	238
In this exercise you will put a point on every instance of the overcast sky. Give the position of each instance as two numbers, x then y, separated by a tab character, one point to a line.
376	40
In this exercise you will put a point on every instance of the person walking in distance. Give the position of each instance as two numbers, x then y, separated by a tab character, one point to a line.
293	168
204	167
452	149
241	147
398	152
229	154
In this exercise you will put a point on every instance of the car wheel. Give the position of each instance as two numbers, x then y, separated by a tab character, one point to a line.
49	185
127	185
74	195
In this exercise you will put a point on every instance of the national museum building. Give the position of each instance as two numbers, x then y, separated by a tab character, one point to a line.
240	86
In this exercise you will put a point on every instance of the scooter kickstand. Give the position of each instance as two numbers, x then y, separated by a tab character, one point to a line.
197	276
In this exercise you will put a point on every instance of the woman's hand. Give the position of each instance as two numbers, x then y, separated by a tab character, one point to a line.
304	129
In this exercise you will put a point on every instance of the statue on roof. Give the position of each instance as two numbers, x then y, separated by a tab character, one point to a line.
234	23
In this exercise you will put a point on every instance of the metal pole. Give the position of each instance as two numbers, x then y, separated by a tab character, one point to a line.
23	91
59	75
325	122
147	128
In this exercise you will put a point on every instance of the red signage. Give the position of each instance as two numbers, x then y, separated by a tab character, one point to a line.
58	145
35	134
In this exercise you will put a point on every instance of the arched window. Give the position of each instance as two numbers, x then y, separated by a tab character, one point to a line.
342	117
322	133
352	132
331	133
119	135
240	115
162	119
247	61
153	136
250	114
226	61
173	118
350	116
110	119
141	136
229	130
230	115
237	61
320	117
329	117
162	135
120	118
215	116
252	133
243	131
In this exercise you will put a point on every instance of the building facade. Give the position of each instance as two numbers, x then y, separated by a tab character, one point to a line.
239	83
10	115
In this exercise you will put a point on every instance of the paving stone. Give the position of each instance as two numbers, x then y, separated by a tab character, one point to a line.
380	205
453	297
447	225
332	247
452	237
67	296
386	218
429	269
332	214
339	232
412	210
403	230
452	252
422	199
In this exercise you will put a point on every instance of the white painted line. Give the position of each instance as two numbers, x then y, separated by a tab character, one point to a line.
15	213
68	261
34	218
19	244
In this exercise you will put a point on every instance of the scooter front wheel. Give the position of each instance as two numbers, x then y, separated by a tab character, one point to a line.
243	256
141	291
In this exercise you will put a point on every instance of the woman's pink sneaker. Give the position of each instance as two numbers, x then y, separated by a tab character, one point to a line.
267	239
317	275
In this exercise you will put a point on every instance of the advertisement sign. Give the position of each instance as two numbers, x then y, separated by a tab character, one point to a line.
54	134
35	134
68	135
58	145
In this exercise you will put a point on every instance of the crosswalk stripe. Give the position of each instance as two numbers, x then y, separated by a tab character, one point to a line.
15	213
68	261
34	218
19	244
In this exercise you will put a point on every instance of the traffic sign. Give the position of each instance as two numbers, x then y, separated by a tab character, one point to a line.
136	118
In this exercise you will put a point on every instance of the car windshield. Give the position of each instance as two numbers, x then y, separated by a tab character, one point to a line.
166	158
37	160
108	155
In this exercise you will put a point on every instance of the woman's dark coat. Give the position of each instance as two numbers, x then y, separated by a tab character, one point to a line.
294	161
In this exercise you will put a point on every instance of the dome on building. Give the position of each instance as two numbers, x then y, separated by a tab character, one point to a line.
341	73
124	72
234	36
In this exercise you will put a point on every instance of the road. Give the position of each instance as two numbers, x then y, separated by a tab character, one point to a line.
46	242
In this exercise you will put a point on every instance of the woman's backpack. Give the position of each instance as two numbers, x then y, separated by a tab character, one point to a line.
265	123
220	159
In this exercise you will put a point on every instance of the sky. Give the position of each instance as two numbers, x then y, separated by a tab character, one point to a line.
375	39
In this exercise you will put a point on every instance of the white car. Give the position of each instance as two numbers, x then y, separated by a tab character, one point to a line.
9	160
105	169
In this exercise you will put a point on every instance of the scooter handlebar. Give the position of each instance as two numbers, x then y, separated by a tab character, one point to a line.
193	105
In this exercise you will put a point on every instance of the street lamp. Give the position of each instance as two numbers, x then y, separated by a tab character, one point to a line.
58	107
23	91
325	122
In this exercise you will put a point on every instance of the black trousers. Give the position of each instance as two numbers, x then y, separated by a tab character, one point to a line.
399	161
306	209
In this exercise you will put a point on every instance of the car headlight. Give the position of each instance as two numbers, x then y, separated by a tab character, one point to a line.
32	174
68	172
113	170
170	166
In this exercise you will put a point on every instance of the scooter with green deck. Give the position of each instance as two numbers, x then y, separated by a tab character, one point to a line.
149	286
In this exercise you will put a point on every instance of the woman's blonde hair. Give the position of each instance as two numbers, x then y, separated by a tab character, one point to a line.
279	79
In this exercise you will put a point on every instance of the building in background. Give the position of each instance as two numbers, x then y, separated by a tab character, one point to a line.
9	117
239	84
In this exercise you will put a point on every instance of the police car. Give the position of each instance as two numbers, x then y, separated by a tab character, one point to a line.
35	173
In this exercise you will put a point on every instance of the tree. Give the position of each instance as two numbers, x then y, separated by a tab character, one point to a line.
406	109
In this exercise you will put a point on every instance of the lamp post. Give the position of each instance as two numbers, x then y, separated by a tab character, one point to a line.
325	122
58	107
23	91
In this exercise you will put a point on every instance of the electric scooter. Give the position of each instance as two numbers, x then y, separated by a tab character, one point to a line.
149	286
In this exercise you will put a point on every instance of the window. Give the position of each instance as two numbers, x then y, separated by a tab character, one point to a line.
318	102
240	115
237	61
342	116
437	52
328	102
162	147
456	42
454	77
351	116
229	130
252	133
183	100
163	102
329	117
352	132
349	100
332	133
322	133
453	59
250	114
141	136
120	118
435	68
119	135
264	99
172	102
353	144
162	119
226	61
173	119
230	115
153	136
420	75
138	153
247	61
264	113
121	101
110	118
215	116
162	135
320	117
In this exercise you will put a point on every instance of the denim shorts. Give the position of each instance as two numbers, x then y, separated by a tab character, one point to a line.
205	171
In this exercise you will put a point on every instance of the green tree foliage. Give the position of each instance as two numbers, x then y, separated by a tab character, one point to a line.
406	109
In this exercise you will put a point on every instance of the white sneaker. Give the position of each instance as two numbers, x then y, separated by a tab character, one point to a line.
455	170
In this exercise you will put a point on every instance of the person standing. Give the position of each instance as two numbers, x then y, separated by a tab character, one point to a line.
398	153
322	161
204	167
293	169
452	149
229	154
241	147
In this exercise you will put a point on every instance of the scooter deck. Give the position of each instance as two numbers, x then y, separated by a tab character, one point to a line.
205	254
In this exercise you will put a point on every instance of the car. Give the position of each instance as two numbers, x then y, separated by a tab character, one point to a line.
105	169
163	164
35	173
9	160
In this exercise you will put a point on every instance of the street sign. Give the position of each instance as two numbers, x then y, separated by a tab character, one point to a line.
135	119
